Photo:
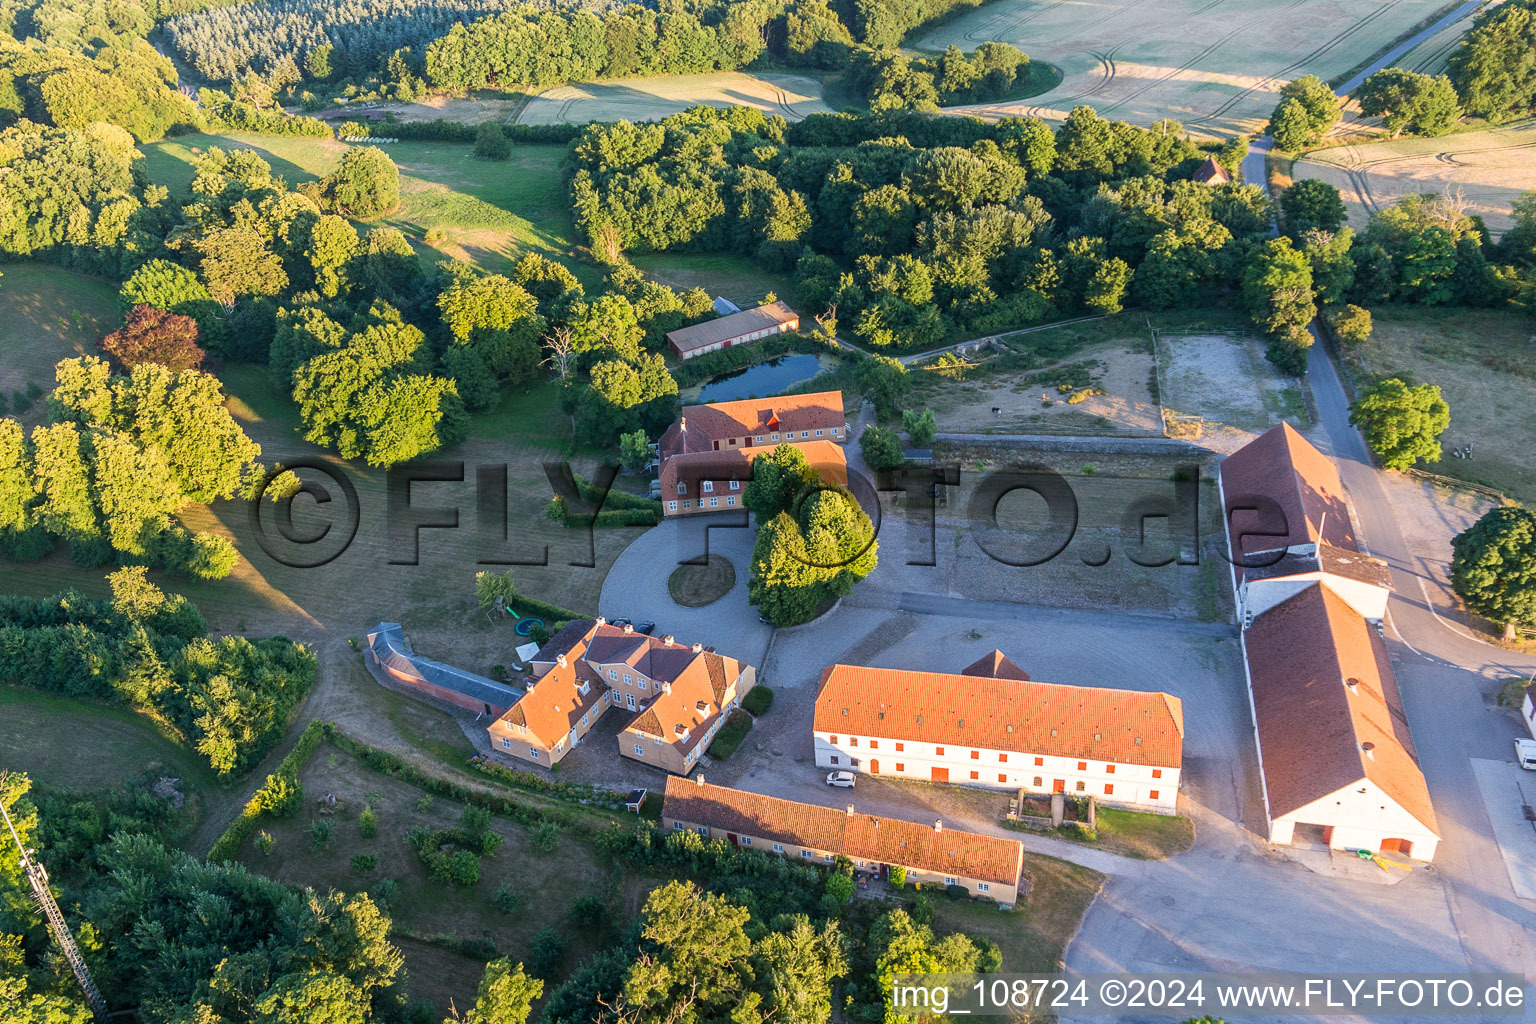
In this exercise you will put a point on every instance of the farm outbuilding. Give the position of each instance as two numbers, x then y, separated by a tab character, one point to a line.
735	329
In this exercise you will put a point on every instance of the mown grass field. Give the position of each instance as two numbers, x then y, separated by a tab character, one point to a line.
1481	361
49	314
651	99
486	211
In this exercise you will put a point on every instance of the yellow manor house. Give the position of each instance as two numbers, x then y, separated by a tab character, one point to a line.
678	693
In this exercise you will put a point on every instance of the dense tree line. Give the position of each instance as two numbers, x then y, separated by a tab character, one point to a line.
288	41
1494	68
915	228
229	697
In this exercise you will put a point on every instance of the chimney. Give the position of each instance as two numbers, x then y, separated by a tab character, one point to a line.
1369	749
698	648
629	627
669	639
850	810
601	621
700	779
938	824
560	660
682	425
666	687
1352	684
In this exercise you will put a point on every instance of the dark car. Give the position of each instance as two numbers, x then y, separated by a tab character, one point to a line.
645	627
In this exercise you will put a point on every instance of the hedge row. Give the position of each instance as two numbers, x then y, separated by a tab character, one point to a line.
442	130
702	368
615	499
575	792
552	614
614	517
279	794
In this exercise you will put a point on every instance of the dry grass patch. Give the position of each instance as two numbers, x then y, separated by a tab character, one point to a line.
1223	382
1484	362
651	99
1034	937
1217	69
545	882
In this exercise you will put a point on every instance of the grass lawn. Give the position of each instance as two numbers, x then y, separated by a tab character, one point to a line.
486	211
1136	834
430	916
694	586
40	734
1034	936
49	314
738	278
1481	361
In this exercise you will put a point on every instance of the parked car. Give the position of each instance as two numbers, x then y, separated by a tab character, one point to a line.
621	623
1525	754
645	627
843	780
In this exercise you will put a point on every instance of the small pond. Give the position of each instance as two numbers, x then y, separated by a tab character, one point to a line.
763	379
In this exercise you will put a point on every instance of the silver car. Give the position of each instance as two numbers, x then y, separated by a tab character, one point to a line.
843	780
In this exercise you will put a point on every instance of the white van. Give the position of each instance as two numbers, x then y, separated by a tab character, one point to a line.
1525	754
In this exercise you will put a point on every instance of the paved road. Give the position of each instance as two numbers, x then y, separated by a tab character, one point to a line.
1465	10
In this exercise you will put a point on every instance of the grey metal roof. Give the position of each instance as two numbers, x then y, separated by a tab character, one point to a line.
389	644
712	332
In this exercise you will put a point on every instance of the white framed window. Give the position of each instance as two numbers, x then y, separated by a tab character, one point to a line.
629	699
826	857
533	752
775	437
805	433
836	431
687	504
778	847
656	740
628	681
613	674
678	826
584	720
639	749
758	439
643	684
746	840
714	502
707	486
983	887
506	743
703	830
730	499
671	506
682	488
819	433
607	696
807	854
736	484
951	881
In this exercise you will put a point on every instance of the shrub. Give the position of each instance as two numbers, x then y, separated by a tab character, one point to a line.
507	898
897	876
385	891
957	892
368	822
589	912
758	700
365	862
319	834
546	954
279	796
491	143
545	837
922	910
840	887
265	843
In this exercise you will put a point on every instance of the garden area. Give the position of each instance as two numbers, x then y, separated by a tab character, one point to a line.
694	586
1139	834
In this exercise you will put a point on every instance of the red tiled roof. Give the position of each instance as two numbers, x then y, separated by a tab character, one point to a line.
860	836
1282	466
1211	172
996	665
1313	727
736	464
706	424
1125	726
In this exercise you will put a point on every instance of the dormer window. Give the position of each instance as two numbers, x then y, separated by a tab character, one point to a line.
682	488
707	486
584	689
736	484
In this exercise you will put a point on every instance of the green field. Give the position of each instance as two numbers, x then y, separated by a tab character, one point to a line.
49	314
485	211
